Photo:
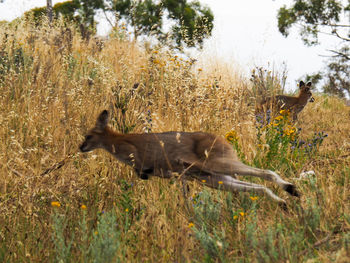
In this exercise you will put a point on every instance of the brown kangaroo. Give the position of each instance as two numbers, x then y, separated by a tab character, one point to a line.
193	155
294	104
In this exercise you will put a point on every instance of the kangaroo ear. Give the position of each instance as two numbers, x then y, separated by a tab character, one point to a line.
309	84
301	83
102	120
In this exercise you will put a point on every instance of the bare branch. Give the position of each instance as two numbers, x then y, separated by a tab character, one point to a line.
108	20
339	36
339	54
335	25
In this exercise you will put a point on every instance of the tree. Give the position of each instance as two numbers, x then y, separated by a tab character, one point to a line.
315	17
191	22
49	10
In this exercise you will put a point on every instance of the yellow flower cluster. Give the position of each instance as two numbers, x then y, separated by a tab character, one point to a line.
55	204
278	118
285	116
285	112
190	225
242	214
158	62
231	136
171	61
254	198
290	131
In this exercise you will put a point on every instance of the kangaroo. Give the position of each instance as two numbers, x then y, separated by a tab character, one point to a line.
294	104
194	155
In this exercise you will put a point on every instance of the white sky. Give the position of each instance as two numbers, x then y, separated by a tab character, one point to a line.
245	33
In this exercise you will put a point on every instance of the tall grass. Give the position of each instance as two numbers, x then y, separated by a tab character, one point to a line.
58	205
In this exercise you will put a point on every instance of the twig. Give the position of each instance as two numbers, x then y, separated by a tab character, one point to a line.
317	244
58	165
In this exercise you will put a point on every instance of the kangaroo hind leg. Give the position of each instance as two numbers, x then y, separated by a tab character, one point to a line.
226	166
227	183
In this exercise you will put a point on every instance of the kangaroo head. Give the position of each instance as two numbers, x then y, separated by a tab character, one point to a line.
305	91
96	135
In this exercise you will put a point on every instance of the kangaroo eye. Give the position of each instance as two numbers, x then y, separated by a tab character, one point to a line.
88	137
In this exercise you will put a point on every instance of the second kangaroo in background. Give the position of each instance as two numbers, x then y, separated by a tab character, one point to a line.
282	102
192	155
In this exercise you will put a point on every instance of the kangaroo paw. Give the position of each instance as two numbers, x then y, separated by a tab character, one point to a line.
292	190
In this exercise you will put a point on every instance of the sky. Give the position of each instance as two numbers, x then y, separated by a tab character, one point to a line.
245	33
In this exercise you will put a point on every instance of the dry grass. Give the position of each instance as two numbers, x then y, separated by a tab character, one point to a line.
53	85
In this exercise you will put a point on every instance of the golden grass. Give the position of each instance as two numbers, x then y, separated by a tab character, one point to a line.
50	98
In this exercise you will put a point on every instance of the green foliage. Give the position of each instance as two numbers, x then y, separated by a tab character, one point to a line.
207	221
66	9
105	242
100	244
279	142
311	15
192	23
62	246
322	16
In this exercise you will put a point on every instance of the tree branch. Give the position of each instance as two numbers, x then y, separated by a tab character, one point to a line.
108	20
339	54
335	25
339	36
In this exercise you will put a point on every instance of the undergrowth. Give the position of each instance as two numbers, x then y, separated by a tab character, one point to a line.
58	205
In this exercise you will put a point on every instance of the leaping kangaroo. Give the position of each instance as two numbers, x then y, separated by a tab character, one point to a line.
194	155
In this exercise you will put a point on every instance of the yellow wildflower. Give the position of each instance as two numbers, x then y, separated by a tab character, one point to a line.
83	207
290	130
190	225
253	198
200	69
220	182
126	209
155	51
55	204
203	181
96	233
278	118
235	217
242	214
231	136
284	112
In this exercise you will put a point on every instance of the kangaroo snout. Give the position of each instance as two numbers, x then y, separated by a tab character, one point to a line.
82	147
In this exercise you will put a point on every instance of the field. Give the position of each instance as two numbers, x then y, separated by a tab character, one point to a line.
59	205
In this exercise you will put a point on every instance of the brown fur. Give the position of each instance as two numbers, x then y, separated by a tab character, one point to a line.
281	102
193	155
